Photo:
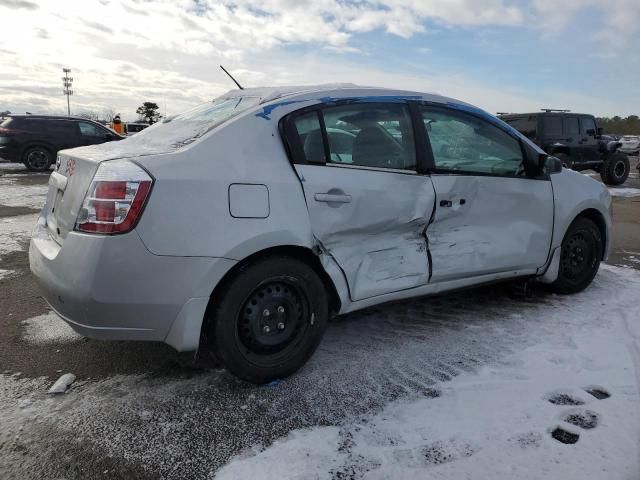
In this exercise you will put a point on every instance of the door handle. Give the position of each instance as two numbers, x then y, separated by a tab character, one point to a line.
332	197
446	203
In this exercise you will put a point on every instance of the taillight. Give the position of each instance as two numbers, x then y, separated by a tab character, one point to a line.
115	199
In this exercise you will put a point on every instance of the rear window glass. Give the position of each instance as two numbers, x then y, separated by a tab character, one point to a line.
6	122
525	125
61	127
571	125
183	129
553	126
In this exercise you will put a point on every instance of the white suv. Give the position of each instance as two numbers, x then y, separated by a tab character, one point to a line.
241	226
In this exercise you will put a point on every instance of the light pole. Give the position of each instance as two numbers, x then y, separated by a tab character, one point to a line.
67	81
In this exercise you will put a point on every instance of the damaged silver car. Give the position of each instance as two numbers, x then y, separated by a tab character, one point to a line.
241	226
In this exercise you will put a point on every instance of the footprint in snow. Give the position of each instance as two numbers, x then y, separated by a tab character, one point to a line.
584	419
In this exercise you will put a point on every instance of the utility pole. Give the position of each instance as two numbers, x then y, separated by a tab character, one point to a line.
67	81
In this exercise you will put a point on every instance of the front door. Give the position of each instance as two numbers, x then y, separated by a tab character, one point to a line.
369	209
490	216
588	142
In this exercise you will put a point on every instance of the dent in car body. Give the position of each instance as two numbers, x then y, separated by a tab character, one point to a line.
378	238
494	224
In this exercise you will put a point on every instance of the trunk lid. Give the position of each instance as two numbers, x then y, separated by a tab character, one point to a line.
68	185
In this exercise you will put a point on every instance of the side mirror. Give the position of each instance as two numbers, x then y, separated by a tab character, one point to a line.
549	164
600	131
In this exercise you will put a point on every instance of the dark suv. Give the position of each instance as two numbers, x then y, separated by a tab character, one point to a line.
575	139
35	139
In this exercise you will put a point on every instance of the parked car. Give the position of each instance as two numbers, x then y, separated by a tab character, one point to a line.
630	144
36	139
238	229
576	140
131	128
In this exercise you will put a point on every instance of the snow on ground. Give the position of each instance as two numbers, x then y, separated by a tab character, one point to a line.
496	423
15	232
624	192
14	194
451	387
48	328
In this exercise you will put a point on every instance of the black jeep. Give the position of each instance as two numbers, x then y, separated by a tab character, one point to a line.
575	139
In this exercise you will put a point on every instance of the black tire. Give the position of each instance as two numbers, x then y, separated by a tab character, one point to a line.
37	159
281	293
580	257
566	159
615	169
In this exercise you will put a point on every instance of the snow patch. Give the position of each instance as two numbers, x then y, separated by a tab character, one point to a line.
15	232
48	328
4	274
13	194
624	192
498	423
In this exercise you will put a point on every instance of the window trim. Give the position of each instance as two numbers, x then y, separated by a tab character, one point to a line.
432	167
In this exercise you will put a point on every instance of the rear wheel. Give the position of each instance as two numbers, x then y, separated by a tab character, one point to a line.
615	169
580	257
37	159
566	160
269	319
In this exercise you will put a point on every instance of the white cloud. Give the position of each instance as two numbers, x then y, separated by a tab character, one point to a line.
124	52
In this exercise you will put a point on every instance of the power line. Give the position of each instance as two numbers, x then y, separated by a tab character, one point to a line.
67	81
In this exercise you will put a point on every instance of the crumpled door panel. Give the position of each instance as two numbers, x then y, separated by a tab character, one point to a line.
376	229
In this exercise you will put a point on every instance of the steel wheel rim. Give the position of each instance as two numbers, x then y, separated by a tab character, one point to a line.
577	257
272	321
38	159
619	169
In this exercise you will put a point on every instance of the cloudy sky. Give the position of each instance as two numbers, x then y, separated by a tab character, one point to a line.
502	55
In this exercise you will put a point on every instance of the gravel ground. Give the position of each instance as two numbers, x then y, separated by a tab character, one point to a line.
142	410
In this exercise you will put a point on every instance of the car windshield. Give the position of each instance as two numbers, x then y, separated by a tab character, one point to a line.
186	127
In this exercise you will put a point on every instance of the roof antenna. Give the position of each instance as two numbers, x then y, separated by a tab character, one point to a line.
231	77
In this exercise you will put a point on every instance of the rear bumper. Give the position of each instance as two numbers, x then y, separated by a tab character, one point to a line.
113	288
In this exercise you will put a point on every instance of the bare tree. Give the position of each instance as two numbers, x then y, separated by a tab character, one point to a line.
89	115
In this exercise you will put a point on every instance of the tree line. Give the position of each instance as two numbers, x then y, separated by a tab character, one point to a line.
622	126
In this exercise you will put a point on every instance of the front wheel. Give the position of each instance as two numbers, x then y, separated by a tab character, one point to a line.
37	159
579	258
269	319
615	169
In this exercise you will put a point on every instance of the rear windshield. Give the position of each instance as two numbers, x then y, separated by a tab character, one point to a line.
183	129
6	122
525	125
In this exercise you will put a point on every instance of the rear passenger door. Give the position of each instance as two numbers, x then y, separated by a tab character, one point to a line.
62	133
368	206
491	217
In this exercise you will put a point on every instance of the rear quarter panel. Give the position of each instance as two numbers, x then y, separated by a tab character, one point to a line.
188	211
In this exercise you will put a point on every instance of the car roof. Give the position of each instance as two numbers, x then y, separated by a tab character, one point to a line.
337	90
